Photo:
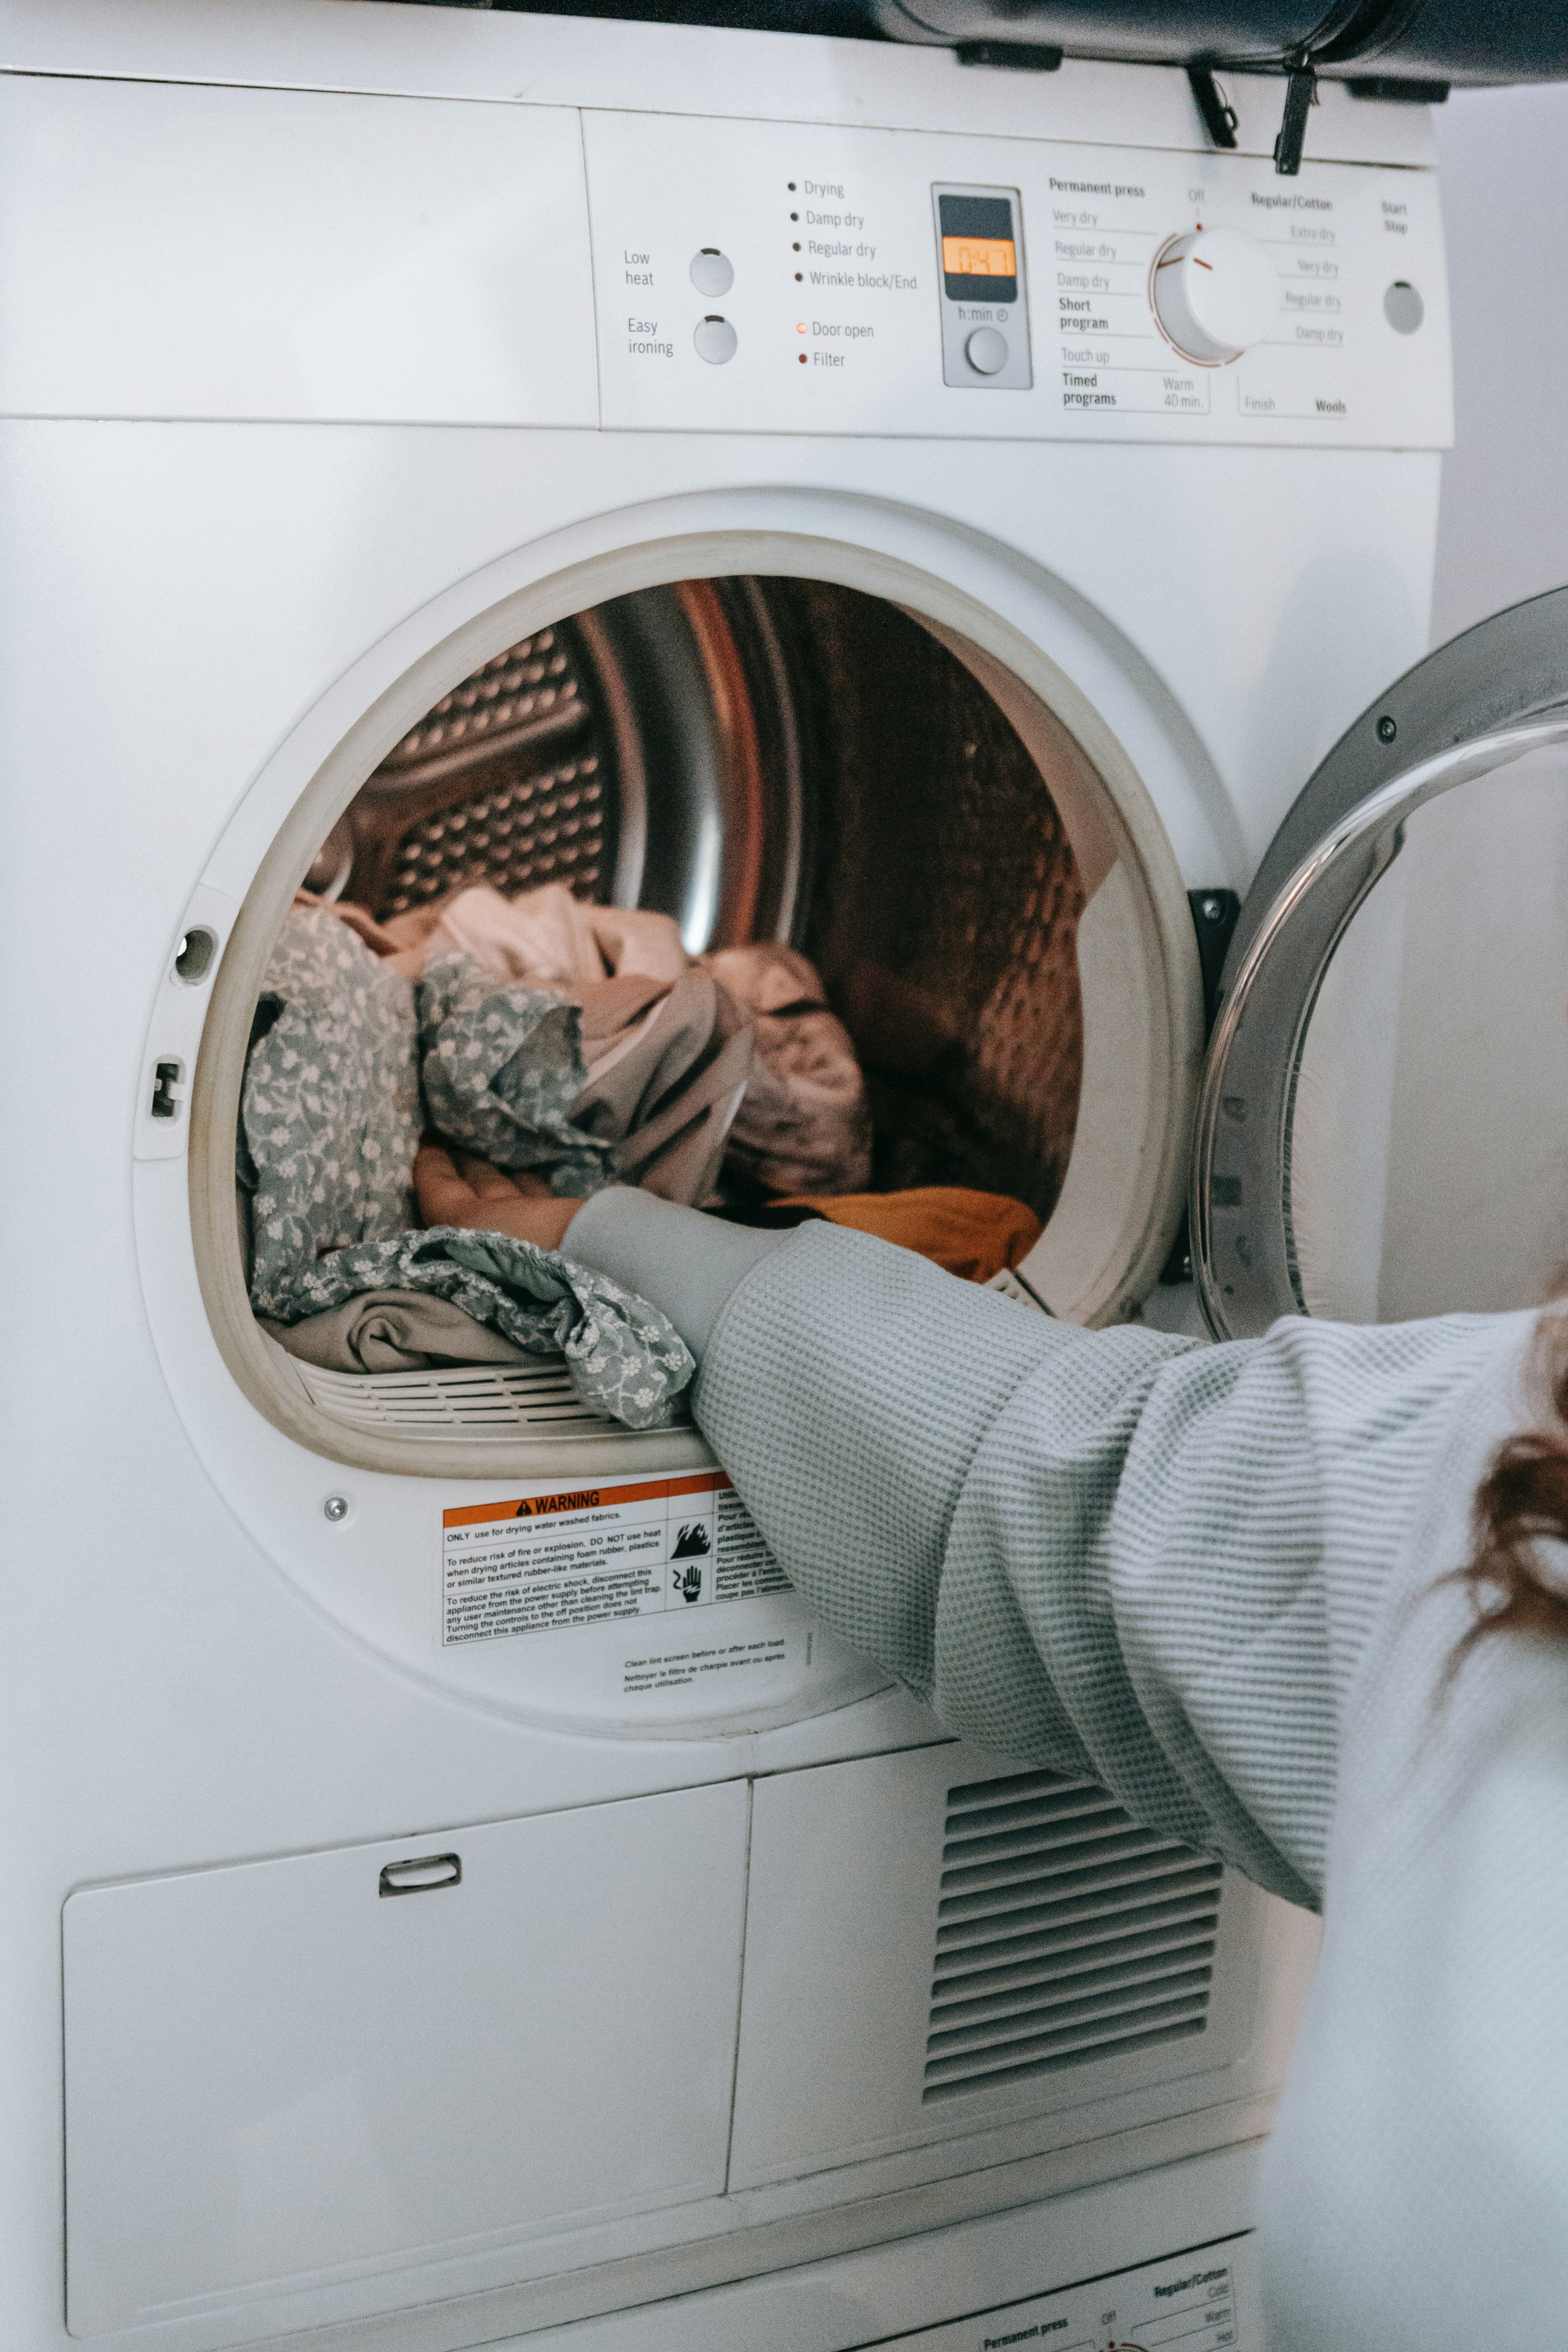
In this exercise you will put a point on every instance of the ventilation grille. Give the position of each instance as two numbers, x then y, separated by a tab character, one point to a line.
504	1401
1065	1933
546	829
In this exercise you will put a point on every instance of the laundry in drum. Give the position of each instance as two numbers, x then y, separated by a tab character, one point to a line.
331	1118
557	1044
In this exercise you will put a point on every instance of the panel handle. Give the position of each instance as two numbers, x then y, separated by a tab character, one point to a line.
421	1873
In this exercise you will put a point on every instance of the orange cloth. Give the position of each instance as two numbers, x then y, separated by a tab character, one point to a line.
974	1235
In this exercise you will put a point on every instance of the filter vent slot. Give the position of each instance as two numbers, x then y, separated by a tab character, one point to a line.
500	1400
1065	1933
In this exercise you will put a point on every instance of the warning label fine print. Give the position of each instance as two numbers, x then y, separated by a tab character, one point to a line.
589	1556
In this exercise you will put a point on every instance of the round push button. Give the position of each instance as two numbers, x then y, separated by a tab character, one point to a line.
715	340
1402	307
986	351
712	272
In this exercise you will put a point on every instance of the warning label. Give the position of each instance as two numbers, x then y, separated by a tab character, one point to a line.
589	1556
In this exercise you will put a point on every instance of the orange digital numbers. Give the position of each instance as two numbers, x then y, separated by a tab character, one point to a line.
979	257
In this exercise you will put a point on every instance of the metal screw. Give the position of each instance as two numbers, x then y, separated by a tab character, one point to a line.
1387	730
335	1508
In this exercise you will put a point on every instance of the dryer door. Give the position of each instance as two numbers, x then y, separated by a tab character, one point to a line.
1382	1126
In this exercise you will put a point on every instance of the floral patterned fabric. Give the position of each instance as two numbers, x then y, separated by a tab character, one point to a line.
502	1064
329	1121
625	1359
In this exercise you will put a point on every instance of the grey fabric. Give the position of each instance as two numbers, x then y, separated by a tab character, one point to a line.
393	1331
1415	2195
1222	1580
694	1261
623	1357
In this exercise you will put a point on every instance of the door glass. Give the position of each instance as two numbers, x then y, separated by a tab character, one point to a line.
1428	1166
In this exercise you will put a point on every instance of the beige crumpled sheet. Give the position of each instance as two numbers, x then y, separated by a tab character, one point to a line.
393	1331
667	1091
802	1123
545	936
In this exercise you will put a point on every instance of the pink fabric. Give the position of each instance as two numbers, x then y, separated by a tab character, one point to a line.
805	1124
545	936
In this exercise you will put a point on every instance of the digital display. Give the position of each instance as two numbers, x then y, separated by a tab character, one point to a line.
978	257
979	248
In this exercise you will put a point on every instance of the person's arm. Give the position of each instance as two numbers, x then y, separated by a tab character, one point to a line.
1167	1564
1115	1552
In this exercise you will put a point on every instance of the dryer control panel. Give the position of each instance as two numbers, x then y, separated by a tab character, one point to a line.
440	263
786	278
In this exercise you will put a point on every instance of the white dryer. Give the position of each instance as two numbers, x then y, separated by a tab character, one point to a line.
807	486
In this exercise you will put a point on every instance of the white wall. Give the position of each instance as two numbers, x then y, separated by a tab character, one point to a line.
1478	1161
1434	1091
1504	155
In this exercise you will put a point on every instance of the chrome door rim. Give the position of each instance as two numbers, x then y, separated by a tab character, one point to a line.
1244	1258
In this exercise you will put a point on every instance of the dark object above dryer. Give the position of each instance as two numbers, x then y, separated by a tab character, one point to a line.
1381	47
843	19
1392	50
1386	41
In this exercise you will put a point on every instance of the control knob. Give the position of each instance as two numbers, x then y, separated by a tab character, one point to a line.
1214	292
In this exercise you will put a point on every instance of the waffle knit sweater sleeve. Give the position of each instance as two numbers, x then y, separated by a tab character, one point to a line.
1144	1558
1221	1579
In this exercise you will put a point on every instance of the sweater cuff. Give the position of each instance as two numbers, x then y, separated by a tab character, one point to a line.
684	1263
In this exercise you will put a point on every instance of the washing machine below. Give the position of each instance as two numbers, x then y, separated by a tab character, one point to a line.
394	514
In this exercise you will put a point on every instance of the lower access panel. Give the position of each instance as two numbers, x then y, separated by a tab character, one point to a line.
1200	2301
283	2073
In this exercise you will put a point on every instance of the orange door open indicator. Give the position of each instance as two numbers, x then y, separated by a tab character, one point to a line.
979	257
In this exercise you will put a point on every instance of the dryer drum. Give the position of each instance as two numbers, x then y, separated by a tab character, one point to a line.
770	759
944	827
